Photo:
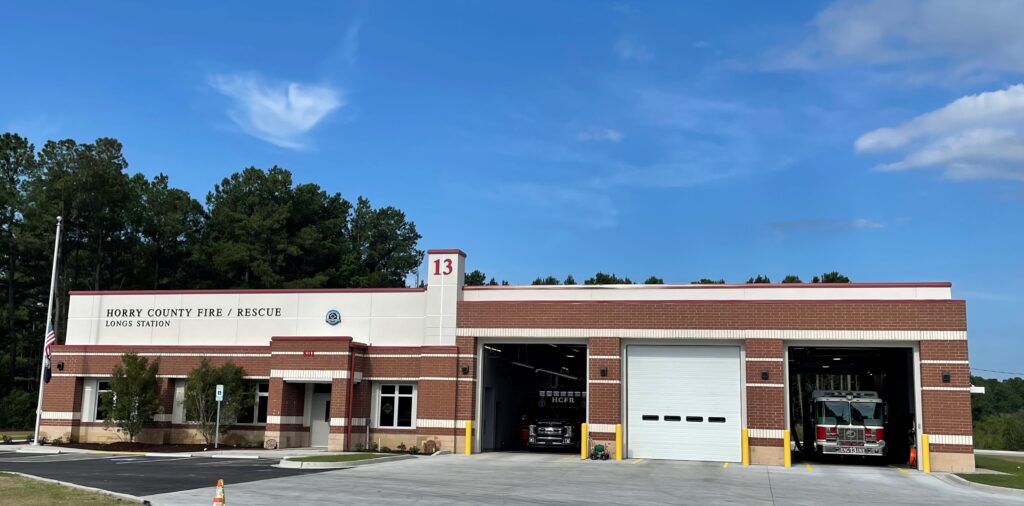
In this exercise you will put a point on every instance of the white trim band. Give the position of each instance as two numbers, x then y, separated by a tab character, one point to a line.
312	353
416	355
795	335
308	375
440	424
154	354
945	439
766	433
416	378
284	420
604	357
772	385
609	382
948	389
62	415
608	428
761	359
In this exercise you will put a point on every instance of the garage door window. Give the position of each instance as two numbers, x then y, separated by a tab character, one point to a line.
396	405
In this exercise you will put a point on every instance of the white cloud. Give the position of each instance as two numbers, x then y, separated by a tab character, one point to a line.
599	134
631	51
974	137
966	38
865	223
281	114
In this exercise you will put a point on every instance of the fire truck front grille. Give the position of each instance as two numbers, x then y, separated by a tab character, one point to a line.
851	434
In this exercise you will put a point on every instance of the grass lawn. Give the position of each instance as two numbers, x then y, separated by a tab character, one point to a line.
1011	465
348	457
18	491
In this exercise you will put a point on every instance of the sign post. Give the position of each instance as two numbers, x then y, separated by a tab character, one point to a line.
216	432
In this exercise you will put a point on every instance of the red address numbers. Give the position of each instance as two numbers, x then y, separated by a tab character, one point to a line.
445	270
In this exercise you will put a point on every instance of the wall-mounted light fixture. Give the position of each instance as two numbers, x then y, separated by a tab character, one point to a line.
604	371
60	366
764	375
946	377
465	369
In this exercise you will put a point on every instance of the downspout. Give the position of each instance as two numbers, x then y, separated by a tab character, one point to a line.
351	391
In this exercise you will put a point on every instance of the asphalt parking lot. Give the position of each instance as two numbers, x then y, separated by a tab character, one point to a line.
142	476
546	479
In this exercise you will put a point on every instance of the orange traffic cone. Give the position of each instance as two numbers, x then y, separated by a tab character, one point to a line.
218	496
913	457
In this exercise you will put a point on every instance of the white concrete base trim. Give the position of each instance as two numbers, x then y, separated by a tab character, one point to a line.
440	424
765	433
162	417
604	357
762	359
948	389
601	427
315	353
309	374
358	422
156	354
945	439
338	422
62	415
609	382
284	420
126	497
958	362
795	335
770	385
416	378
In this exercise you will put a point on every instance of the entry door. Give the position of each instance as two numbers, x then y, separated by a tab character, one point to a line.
320	423
683	402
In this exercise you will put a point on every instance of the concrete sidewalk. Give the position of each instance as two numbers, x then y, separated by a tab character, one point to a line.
524	478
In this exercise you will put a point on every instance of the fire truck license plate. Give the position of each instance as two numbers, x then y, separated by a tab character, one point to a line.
847	449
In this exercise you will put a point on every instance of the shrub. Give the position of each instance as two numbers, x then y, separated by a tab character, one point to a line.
414	450
385	449
200	402
401	446
132	400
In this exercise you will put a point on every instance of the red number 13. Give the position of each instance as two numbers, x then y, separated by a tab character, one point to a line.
447	267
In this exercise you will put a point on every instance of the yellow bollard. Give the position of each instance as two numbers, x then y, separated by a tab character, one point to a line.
926	454
469	437
746	446
618	441
787	453
583	442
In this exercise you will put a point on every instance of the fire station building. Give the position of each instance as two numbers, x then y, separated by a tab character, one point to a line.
693	372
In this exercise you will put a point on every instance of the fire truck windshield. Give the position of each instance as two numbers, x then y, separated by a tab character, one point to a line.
833	413
867	413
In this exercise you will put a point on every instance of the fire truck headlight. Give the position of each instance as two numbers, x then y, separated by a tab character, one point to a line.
881	444
533	430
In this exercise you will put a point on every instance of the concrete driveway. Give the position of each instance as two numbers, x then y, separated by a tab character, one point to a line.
524	478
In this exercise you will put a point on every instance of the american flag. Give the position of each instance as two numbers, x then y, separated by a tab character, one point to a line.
51	339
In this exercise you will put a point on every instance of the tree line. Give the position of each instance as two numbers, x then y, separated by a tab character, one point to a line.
998	414
479	278
124	231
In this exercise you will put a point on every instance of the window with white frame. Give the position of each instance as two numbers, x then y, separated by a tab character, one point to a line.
257	413
102	388
396	405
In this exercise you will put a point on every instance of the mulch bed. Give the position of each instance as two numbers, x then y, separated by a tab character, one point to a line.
124	446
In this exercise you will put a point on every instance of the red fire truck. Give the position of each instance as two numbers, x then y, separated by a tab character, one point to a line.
849	422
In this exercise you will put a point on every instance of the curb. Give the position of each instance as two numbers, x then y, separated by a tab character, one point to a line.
45	451
441	452
118	495
291	464
957	481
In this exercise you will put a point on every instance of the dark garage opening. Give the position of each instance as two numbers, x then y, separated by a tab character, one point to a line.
532	384
835	371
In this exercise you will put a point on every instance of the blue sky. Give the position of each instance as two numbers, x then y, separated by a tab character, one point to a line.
728	139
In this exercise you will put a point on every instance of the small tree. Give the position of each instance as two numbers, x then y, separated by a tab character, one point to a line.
475	278
550	280
759	280
707	281
791	278
654	280
831	277
201	393
132	400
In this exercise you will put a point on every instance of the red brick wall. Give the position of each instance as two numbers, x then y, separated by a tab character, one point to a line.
946	412
604	399
830	315
766	406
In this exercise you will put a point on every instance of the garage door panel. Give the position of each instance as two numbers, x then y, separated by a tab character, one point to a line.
695	382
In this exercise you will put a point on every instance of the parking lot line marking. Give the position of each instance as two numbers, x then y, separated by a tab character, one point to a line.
637	461
903	471
808	467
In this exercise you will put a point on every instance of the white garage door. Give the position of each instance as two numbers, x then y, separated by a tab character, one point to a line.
683	402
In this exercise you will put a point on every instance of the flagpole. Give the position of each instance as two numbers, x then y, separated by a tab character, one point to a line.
49	316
